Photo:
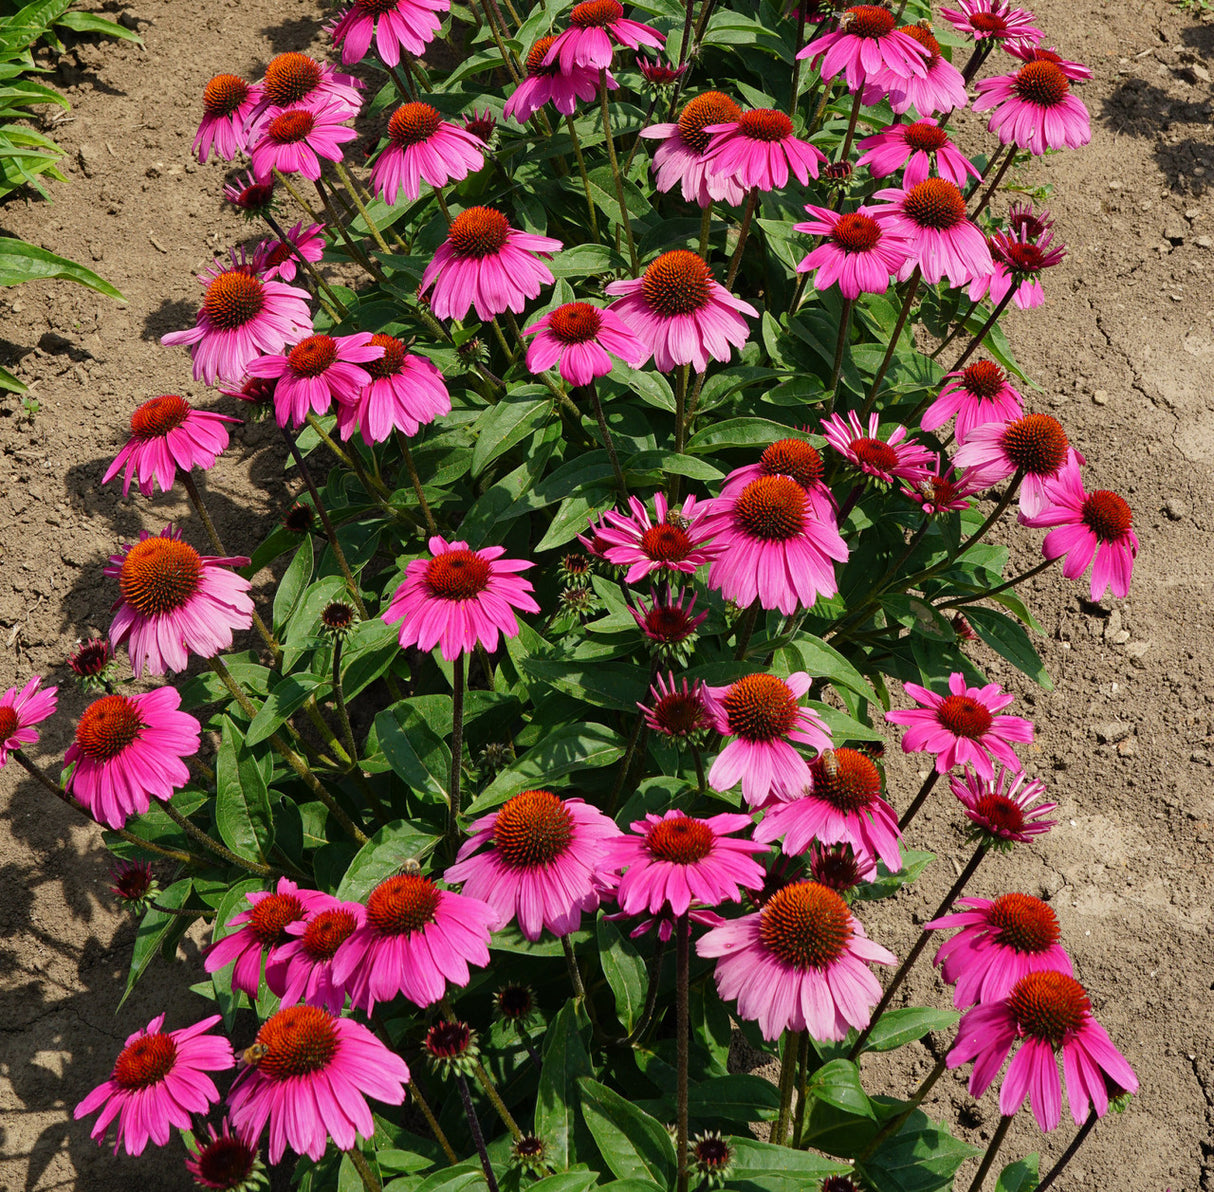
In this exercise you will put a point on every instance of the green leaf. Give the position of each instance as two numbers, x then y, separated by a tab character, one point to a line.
382	856
1009	639
566	1181
242	802
625	972
823	661
674	464
914	862
370	650
738	432
1020	1176
10	383
921	1157
764	1163
286	697
565	1061
838	1083
738	1097
294	580
509	422
633	1144
897	1027
402	732
88	22
20	262
152	931
616	685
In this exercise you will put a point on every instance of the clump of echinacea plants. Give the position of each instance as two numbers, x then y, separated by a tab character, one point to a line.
632	504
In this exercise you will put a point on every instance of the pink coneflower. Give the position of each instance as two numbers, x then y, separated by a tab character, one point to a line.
763	716
311	1081
798	964
221	1159
545	82
227	103
1088	525
893	458
460	597
944	242
759	150
1034	446
941	89
674	540
578	338
1034	108
241	318
1019	256
481	125
1049	1012
667	622
92	662
963	727
20	711
659	73
175	602
1002	818
159	1080
857	252
942	490
1076	72
678	711
294	140
295	80
794	458
397	25
865	44
681	157
917	147
260	930
778	543
995	19
1002	940
681	313
405	393
842	804
539	868
415	939
167	433
128	750
134	883
423	147
976	394
839	868
251	196
279	259
486	264
594	26
673	860
316	372
299	967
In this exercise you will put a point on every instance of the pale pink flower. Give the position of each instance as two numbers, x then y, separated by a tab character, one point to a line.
798	964
759	150
914	149
595	25
294	139
405	393
894	458
864	45
299	967
547	82
857	252
994	19
1034	108
580	339
20	711
975	395
1003	817
963	727
943	241
674	540
423	147
227	103
682	159
941	89
1033	446
396	25
279	259
316	372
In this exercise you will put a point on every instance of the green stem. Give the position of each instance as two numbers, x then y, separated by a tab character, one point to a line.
845	148
339	698
651	997
746	626
402	441
457	749
680	408
959	601
369	1178
705	229
431	1121
956	331
474	1126
356	251
752	201
976	342
788	1081
615	168
991	1151
803	1071
682	980
977	182
581	165
212	845
575	973
802	14
918	800
990	190
608	442
352	190
895	1124
911	290
374	486
337	306
486	1083
840	345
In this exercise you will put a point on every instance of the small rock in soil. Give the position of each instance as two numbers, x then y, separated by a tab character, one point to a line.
1175	508
1111	732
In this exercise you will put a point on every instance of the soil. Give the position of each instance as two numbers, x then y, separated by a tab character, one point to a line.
1123	351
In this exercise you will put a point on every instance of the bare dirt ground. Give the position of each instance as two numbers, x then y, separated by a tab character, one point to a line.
1123	351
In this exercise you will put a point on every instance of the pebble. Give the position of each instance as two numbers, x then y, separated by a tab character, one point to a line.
1176	508
1200	757
1204	242
1111	732
1101	397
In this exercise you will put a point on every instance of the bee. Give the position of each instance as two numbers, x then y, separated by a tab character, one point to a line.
252	1056
409	867
829	763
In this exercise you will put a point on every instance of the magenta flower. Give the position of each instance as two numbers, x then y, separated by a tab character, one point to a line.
681	314
837	867
279	259
1076	72
1034	108
798	964
943	241
894	458
675	540
405	393
963	727
316	372
251	196
917	147
241	318
547	82
865	44
667	622
794	458
415	939
312	1081
759	150
1088	525
159	1080
778	543
261	930
1033	446
578	338
423	147
1048	1012
678	711
540	863
293	80
175	602
941	89
227	103
1019	256
486	264
659	73
1001	817
594	26
167	433
942	490
220	1159
294	140
857	252
975	395
995	19
460	597
842	804
682	159
1002	940
128	750
763	716
670	861
408	25
20	711
299	967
